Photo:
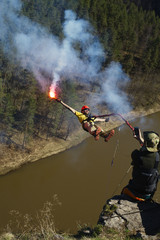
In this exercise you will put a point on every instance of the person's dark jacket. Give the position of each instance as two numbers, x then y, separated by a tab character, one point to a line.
145	172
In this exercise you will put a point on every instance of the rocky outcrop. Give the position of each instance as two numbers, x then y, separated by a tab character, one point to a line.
140	218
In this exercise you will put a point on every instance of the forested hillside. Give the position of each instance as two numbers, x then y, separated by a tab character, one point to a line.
149	5
129	34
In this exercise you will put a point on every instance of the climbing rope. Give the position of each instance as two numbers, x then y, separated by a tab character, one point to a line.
116	148
138	211
115	151
122	180
116	114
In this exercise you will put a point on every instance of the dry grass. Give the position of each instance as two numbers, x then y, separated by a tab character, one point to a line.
23	227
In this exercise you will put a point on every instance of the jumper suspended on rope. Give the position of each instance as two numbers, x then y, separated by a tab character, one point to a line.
88	121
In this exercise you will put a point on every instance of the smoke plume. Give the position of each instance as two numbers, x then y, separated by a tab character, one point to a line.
39	51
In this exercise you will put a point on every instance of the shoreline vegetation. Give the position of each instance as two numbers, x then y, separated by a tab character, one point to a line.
12	159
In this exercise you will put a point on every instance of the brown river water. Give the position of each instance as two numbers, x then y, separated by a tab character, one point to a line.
82	177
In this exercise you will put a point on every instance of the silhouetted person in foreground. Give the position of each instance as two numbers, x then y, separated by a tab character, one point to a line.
146	167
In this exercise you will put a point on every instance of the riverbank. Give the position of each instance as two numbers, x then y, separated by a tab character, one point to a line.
11	159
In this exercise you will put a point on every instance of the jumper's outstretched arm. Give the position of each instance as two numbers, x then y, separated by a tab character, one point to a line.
102	120
66	106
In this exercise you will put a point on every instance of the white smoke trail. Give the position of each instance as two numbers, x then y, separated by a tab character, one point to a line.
41	52
111	91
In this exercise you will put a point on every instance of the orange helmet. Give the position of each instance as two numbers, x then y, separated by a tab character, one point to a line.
84	108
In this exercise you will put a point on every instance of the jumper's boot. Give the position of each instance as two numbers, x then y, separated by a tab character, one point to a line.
109	135
96	133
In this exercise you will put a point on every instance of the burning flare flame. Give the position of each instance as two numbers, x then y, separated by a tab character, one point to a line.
52	93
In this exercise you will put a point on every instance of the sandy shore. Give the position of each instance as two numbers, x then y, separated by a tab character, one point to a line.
11	159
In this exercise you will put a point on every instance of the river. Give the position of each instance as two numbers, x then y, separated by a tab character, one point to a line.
83	178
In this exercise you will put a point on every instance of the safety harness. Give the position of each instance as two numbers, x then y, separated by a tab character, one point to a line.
90	119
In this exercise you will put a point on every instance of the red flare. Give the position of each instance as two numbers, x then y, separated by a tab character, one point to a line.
52	92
